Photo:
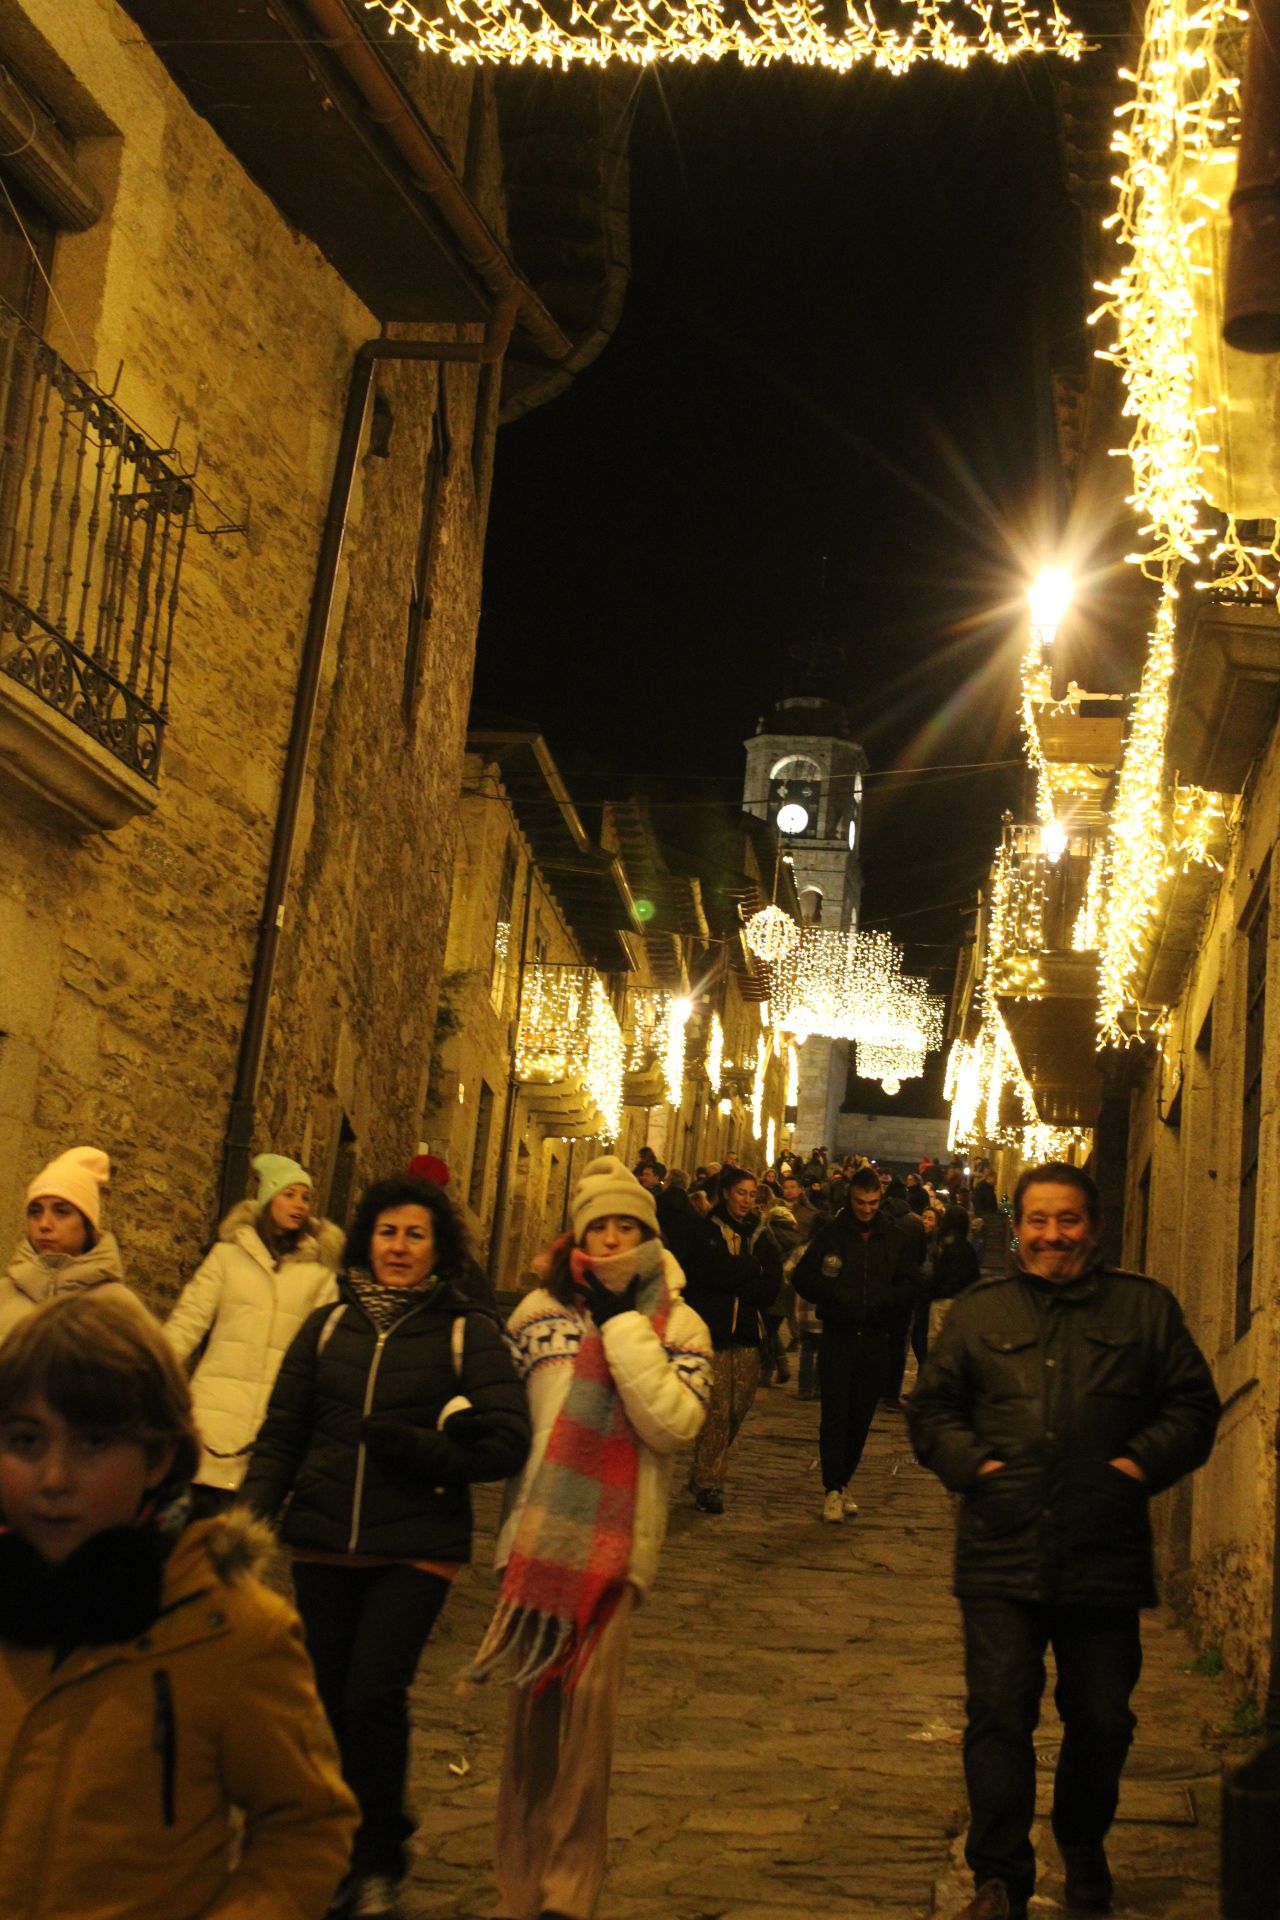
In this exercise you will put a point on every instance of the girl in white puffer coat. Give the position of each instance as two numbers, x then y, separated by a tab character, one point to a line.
273	1264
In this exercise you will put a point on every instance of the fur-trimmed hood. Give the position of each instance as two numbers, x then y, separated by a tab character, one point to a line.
320	1240
238	1545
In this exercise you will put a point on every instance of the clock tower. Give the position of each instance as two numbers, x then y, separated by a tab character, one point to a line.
804	774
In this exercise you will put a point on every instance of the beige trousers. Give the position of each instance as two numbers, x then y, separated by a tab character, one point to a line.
735	1375
552	1834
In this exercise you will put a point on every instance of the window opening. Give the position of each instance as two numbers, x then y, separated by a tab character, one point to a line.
342	1184
480	1149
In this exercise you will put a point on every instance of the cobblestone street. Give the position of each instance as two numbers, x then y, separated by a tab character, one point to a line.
790	1739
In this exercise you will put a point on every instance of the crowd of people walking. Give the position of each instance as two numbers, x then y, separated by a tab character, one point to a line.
346	1392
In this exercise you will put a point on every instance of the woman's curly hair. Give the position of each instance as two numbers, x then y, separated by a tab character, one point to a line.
406	1190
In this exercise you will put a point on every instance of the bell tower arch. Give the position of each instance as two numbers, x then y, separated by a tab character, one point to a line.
804	774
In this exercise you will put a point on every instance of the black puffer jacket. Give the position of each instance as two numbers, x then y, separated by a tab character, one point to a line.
733	1276
340	1371
1057	1380
856	1277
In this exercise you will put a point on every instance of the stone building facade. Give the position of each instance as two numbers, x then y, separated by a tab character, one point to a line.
207	260
513	1102
1202	1154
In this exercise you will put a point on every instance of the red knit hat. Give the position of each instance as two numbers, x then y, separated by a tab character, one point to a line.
429	1166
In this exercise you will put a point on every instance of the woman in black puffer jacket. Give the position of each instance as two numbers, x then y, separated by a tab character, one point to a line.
386	1408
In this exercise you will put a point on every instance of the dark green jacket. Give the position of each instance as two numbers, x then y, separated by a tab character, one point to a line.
1057	1381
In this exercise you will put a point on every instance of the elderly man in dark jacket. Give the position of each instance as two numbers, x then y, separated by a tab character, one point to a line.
857	1270
1057	1400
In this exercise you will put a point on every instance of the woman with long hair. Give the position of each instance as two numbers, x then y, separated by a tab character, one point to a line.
272	1265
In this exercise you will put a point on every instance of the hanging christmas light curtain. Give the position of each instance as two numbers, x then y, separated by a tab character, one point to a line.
569	1031
850	986
756	32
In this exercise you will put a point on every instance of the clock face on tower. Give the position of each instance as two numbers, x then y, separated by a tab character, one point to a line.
793	806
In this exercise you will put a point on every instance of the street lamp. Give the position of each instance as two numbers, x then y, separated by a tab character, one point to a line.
1048	597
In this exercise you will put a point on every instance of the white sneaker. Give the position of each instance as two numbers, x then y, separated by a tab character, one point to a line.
848	1502
833	1506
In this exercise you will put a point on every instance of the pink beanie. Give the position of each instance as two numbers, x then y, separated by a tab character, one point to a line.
79	1176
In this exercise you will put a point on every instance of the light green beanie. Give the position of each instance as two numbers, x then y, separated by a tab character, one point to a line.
275	1173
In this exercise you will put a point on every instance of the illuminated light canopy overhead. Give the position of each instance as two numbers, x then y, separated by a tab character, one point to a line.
757	32
850	986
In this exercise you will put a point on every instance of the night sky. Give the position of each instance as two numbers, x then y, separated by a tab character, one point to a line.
824	418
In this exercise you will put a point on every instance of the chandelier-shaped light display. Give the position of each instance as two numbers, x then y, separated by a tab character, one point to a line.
850	986
772	934
756	32
569	1031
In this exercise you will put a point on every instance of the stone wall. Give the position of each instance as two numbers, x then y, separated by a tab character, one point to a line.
895	1137
127	955
1217	1534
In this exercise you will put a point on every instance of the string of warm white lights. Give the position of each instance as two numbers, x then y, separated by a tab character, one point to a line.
1182	112
758	32
850	986
569	1031
657	1028
758	1086
1136	862
715	1054
772	934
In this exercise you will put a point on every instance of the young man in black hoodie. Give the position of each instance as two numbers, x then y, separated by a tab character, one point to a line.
857	1271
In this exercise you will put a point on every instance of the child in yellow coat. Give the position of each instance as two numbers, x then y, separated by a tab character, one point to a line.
149	1684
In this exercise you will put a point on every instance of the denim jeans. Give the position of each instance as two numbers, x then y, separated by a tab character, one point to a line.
1098	1651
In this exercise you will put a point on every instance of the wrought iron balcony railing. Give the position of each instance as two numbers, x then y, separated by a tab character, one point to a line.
93	526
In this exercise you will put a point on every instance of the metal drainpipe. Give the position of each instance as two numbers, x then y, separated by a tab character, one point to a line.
498	1227
253	1039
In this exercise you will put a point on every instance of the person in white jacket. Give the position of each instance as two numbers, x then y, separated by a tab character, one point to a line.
271	1266
618	1371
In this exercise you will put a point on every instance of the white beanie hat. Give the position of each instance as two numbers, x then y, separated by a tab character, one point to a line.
608	1186
79	1175
275	1173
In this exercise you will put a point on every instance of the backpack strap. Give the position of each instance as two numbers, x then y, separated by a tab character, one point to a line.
457	1343
329	1326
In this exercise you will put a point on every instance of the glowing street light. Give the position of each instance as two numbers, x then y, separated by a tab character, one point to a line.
1048	597
1053	838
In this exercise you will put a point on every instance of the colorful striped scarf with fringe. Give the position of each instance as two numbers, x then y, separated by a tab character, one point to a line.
568	1565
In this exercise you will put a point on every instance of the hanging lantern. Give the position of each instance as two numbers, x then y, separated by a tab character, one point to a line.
772	935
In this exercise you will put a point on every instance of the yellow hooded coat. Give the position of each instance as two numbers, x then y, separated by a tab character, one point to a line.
120	1765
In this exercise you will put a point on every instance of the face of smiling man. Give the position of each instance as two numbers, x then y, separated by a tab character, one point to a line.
1057	1235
